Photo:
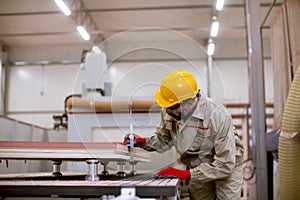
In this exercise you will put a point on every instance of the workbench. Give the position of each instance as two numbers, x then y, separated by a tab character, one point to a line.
145	186
91	184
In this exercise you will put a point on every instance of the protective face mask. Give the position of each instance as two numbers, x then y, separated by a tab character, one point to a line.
176	117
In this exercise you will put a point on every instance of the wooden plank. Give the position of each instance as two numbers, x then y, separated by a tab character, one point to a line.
66	145
59	145
280	63
71	151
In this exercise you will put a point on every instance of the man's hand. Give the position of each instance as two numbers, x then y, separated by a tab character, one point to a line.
138	140
182	174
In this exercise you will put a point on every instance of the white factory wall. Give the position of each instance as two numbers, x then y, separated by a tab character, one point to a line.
36	93
18	131
234	75
143	79
12	130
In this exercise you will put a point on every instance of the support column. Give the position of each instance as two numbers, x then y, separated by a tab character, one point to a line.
121	170
104	170
56	168
133	168
93	170
257	96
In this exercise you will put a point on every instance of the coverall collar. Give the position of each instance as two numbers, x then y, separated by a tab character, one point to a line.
201	107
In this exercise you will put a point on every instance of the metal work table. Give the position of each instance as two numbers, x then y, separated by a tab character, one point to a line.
87	185
144	186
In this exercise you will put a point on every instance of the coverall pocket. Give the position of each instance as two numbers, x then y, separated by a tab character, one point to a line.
203	141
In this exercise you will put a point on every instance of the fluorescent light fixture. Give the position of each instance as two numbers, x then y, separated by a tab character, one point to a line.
84	34
220	4
214	28
64	8
210	48
96	49
21	63
43	62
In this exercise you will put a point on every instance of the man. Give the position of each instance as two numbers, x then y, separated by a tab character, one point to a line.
202	132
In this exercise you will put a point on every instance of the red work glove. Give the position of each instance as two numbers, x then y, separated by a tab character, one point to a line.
182	174
138	140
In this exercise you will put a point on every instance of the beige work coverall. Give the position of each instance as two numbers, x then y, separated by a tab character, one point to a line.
208	143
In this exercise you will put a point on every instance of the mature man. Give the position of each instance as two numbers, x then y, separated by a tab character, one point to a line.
202	132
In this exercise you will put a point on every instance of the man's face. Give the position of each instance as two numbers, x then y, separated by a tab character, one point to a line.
182	110
174	111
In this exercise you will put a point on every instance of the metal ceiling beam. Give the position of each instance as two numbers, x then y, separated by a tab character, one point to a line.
36	34
108	10
117	31
132	9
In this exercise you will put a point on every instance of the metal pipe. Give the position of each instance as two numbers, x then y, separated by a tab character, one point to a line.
289	144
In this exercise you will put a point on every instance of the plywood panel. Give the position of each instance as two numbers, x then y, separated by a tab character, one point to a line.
280	61
293	7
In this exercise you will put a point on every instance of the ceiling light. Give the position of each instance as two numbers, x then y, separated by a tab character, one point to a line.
43	62
96	50
84	34
61	4
219	4
214	28
210	48
21	63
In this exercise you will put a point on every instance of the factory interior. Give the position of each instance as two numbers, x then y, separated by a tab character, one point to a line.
78	76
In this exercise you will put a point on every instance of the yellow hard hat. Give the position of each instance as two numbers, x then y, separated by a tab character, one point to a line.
175	87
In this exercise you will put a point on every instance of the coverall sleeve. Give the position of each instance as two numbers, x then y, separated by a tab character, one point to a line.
225	152
161	140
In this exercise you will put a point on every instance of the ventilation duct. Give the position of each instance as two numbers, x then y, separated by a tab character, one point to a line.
289	144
